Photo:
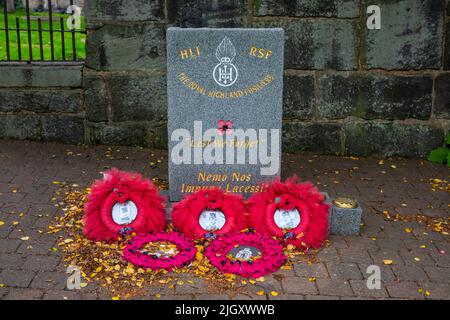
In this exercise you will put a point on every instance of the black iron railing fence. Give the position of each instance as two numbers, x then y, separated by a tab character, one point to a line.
43	37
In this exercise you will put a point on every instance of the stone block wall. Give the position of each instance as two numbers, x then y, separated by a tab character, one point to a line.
42	103
348	90
125	73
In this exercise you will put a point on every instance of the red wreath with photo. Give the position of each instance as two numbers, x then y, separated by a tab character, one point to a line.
122	202
267	256
295	212
209	213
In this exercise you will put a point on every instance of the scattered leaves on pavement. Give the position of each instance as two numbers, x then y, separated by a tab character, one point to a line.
102	263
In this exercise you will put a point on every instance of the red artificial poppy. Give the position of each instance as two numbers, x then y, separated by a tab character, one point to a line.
225	127
295	212
208	213
122	202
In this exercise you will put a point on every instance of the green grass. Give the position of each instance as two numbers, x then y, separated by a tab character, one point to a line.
13	46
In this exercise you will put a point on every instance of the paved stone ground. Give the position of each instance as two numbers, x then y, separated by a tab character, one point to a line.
28	270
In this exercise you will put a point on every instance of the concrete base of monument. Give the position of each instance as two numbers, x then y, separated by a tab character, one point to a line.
169	204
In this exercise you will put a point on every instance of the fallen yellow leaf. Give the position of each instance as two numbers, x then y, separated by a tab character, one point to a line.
274	294
260	293
115	298
2	223
25	238
129	270
387	262
312	279
157	296
408	230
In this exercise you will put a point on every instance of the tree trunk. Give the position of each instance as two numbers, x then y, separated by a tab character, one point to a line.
10	5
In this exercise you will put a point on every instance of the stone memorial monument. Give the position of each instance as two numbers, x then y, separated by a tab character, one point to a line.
225	108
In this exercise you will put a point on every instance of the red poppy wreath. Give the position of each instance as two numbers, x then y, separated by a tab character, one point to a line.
209	213
293	211
248	254
122	202
166	251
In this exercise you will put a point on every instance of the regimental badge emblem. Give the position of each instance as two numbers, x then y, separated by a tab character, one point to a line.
225	73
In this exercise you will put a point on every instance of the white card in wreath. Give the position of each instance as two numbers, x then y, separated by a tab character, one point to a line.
287	219
211	220
124	213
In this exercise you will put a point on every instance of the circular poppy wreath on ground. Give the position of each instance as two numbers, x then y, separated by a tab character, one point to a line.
209	213
294	212
173	251
120	203
248	254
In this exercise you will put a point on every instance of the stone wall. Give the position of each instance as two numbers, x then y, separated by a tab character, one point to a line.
125	74
348	90
42	103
